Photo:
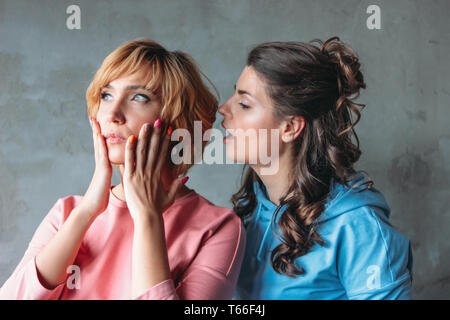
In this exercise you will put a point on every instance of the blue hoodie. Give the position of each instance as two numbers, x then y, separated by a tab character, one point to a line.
364	257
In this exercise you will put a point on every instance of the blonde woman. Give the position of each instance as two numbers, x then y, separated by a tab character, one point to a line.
149	237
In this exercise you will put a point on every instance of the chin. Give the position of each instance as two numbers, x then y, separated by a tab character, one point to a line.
116	163
116	158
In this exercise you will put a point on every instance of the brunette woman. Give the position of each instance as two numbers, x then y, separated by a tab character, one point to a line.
316	228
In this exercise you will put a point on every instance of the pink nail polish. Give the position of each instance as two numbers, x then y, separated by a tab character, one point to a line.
183	181
158	123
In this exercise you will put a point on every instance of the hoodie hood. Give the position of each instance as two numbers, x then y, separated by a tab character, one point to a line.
340	200
343	199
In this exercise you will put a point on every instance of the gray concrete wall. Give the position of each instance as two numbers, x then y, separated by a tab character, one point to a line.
45	141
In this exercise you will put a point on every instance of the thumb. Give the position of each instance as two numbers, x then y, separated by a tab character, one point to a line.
176	185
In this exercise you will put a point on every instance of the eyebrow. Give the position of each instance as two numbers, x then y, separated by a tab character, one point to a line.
132	87
243	92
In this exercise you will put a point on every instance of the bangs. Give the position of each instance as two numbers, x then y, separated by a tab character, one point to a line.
122	64
134	63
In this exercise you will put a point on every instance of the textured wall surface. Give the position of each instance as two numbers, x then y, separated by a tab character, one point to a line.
45	68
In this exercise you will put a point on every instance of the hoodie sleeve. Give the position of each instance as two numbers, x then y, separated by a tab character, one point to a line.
374	260
25	282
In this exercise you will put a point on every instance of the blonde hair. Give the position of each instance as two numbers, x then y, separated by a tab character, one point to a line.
172	76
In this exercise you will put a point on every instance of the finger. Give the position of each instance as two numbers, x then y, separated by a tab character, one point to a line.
141	146
154	145
94	137
102	149
163	152
98	129
130	156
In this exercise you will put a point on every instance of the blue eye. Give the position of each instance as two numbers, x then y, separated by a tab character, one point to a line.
105	96
141	97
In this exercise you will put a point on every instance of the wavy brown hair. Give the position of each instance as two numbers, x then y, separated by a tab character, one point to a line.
320	83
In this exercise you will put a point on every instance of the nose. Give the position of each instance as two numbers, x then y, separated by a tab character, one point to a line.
114	113
224	109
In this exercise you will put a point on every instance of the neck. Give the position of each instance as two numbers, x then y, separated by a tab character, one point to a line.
277	184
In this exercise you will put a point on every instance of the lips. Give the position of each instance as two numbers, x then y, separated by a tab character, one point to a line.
114	138
229	136
222	123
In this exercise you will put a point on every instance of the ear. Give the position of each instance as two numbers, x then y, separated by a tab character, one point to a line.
292	127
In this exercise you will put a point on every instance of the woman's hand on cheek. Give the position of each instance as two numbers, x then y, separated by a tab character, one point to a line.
144	161
96	198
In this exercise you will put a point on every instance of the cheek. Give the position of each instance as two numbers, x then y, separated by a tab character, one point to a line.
256	140
102	110
250	148
139	119
246	148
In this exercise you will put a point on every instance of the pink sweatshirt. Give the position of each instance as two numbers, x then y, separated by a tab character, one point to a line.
205	246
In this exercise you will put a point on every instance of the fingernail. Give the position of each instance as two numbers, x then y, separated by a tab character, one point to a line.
169	130
132	139
158	124
183	181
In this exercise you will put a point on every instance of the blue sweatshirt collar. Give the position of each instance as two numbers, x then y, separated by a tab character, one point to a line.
340	200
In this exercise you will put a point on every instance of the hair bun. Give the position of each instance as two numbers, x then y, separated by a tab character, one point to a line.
349	77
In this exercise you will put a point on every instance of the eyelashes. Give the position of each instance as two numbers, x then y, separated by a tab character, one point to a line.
105	96
139	97
244	106
143	97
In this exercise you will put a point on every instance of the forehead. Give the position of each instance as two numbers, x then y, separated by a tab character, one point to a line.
135	78
252	83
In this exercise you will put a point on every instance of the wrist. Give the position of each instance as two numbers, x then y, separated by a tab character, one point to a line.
86	215
146	217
